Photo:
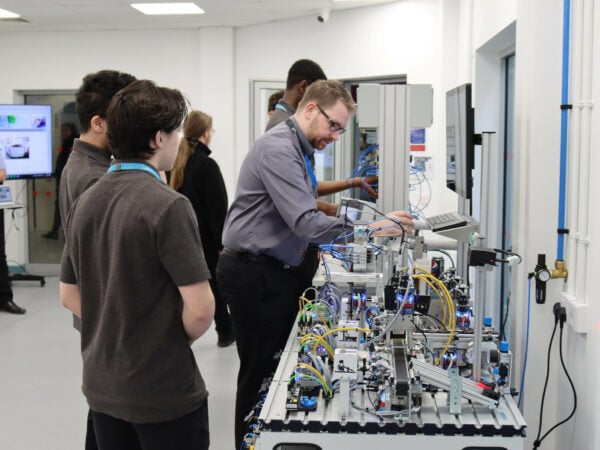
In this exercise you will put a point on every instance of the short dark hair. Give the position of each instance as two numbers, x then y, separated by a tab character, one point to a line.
327	93
96	91
273	100
304	69
137	112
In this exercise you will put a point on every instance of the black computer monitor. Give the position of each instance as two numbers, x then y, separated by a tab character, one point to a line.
460	134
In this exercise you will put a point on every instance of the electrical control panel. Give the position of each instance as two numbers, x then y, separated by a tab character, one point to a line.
387	349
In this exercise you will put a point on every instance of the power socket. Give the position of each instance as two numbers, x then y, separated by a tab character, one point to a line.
577	313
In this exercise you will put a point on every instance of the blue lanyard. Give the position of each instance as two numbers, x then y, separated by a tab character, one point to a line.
118	167
311	172
309	167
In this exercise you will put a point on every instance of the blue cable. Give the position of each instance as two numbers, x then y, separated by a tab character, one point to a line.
363	155
423	185
526	345
365	166
563	129
342	236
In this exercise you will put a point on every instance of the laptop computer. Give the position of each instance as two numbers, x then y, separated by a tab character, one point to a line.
6	198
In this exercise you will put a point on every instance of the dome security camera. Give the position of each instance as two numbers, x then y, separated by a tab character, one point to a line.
323	16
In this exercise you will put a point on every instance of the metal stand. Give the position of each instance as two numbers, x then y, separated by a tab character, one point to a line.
27	277
16	276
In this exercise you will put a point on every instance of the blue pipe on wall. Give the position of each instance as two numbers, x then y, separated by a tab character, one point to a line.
563	131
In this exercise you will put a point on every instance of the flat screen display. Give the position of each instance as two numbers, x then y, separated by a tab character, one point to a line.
26	140
460	151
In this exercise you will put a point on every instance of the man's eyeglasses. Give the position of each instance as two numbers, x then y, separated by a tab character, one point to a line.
334	127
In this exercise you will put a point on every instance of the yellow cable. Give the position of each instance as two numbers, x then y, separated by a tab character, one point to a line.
303	300
316	337
446	295
448	298
326	388
320	314
422	269
312	369
335	330
427	274
319	308
439	295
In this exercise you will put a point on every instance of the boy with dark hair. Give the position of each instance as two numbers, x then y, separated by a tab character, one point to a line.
91	154
90	157
96	92
149	299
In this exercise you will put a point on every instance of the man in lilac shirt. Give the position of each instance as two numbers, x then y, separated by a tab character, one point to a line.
272	219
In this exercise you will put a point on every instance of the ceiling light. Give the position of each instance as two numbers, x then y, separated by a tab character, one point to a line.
5	14
167	8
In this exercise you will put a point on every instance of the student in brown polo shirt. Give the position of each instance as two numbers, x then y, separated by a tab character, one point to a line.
134	271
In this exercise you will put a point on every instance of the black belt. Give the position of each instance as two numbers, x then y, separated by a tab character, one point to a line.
247	256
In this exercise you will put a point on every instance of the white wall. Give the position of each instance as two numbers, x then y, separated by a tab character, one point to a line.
537	167
214	82
490	17
538	81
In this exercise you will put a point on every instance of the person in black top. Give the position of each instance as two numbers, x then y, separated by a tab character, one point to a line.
6	294
69	134
197	176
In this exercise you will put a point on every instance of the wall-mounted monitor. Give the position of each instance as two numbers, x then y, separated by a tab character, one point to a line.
460	134
26	140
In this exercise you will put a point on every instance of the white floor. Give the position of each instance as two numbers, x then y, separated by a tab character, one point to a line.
41	404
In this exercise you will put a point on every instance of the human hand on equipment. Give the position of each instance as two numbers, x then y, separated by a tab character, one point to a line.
390	227
367	184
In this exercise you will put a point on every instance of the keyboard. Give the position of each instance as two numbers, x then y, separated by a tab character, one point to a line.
447	221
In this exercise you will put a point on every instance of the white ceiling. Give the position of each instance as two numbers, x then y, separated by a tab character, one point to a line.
71	15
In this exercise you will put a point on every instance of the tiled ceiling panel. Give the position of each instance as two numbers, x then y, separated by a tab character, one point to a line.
71	15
